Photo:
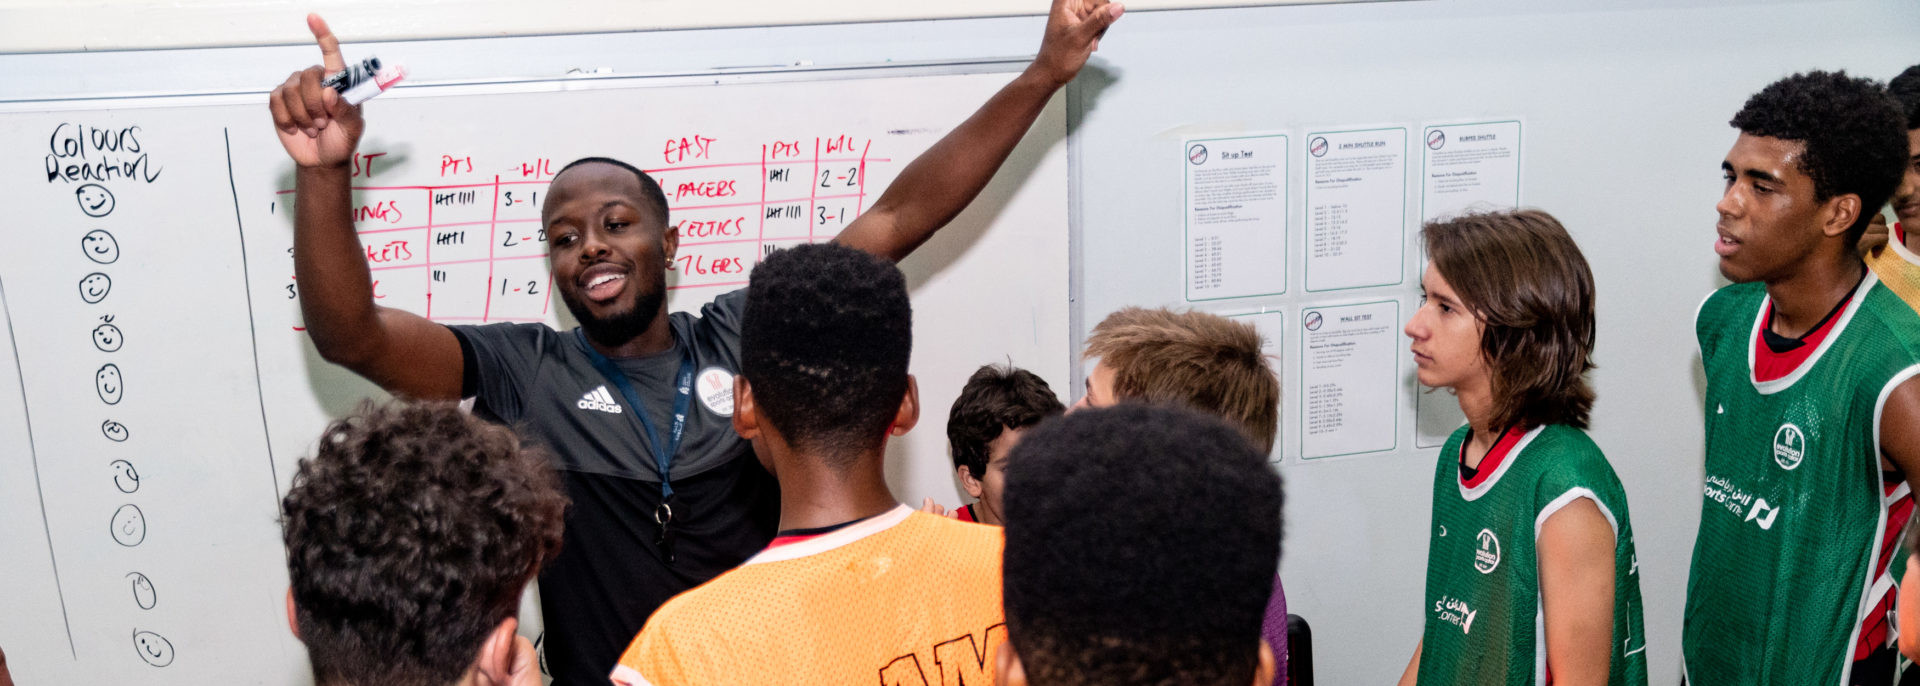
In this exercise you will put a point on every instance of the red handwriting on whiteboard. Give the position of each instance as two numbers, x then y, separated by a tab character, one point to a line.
704	266
386	210
393	251
363	163
456	165
690	147
711	229
537	168
703	189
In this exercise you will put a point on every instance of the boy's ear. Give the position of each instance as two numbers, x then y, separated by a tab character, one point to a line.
293	616
1007	670
909	412
495	661
969	481
746	414
1839	213
1264	675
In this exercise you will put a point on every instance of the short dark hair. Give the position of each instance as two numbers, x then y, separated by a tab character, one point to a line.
410	535
1141	546
1905	90
1855	135
827	335
996	398
1521	273
650	191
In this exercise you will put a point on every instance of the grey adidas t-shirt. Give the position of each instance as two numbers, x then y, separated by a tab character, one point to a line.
611	574
542	381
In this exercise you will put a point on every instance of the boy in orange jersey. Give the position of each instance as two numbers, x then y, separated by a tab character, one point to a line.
1897	261
855	584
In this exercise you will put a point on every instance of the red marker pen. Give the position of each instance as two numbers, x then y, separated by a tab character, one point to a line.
360	82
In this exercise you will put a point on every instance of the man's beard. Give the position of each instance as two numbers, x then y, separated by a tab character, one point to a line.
621	327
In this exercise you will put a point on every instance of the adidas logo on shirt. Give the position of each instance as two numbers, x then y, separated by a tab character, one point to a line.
599	399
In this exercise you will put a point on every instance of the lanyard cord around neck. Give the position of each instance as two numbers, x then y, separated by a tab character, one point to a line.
663	451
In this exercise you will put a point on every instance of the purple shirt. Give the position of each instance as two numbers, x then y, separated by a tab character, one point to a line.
1274	629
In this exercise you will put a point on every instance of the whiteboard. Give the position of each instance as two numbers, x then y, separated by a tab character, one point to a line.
214	393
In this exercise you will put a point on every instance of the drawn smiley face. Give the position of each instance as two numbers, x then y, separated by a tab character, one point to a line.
94	287
129	525
153	648
125	477
95	199
107	382
114	431
100	246
107	337
143	593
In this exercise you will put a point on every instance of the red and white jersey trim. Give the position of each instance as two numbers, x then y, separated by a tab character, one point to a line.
833	539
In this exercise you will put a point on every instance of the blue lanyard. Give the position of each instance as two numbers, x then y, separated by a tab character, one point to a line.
683	397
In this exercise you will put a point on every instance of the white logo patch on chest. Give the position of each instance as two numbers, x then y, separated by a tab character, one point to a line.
1487	557
715	387
1789	446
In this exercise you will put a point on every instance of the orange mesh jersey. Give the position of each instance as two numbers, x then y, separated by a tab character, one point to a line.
1899	269
902	599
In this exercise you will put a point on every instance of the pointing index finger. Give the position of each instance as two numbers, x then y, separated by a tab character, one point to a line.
329	46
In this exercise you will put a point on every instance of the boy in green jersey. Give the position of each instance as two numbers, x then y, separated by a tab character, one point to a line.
1531	572
1812	411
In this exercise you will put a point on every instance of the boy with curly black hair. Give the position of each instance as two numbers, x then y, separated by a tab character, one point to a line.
1105	578
855	584
410	535
995	408
1812	411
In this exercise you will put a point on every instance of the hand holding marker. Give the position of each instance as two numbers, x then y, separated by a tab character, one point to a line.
359	83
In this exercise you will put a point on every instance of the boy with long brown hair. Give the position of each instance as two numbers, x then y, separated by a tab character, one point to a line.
1531	574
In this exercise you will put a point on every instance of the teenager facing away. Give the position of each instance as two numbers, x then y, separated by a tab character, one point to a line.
1198	360
410	535
1531	574
1812	414
994	410
1897	262
1114	577
651	516
856	584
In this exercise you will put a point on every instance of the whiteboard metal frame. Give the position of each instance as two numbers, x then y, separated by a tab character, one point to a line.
43	26
537	84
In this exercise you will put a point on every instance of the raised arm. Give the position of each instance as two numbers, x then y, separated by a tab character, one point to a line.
401	351
1576	550
940	183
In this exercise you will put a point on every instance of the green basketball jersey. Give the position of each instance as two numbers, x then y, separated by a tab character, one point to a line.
1788	562
1484	624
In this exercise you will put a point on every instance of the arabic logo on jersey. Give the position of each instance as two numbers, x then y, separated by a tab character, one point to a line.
1456	612
1789	446
1487	558
1763	514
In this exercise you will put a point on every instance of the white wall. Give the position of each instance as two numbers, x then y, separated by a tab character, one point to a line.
1626	104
